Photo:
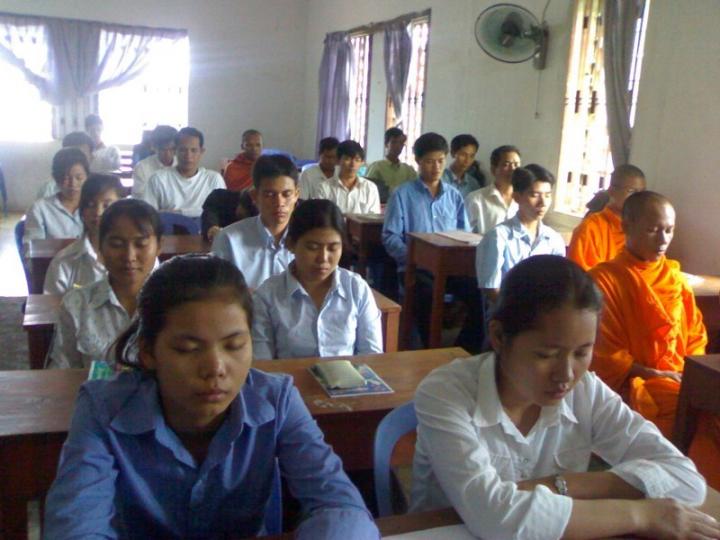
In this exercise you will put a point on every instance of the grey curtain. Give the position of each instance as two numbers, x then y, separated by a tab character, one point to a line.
619	21
334	78
398	52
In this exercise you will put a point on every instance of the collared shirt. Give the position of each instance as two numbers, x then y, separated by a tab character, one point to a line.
486	208
169	191
363	198
287	324
48	218
509	243
470	455
413	209
310	179
73	266
124	473
253	249
142	172
464	184
238	173
388	176
90	320
105	160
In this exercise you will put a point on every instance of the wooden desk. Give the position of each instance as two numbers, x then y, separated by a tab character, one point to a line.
442	257
41	252
365	232
698	392
36	407
707	297
41	313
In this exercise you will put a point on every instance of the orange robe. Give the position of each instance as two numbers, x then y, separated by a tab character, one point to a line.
650	318
238	173
598	238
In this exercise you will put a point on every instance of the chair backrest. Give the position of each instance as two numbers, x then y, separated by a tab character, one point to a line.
398	422
19	233
178	224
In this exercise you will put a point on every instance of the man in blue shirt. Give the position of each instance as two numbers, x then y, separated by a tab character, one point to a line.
463	149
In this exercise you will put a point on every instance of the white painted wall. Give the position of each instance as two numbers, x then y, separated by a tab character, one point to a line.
247	57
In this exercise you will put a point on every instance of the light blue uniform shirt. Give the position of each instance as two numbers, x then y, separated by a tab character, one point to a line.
251	247
286	323
509	243
464	185
124	473
412	209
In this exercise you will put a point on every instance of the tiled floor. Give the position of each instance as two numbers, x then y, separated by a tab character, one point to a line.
12	277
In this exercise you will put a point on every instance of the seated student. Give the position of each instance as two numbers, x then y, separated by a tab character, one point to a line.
352	193
190	442
462	149
105	158
600	237
224	207
315	308
78	264
256	245
92	317
238	173
185	187
163	145
76	139
506	437
493	204
324	169
390	172
57	216
650	323
144	148
521	236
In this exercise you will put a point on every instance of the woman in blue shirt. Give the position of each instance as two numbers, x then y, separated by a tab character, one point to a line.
189	445
315	308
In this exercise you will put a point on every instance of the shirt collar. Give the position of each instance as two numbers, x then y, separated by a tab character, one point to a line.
267	235
520	231
422	187
293	286
103	293
335	181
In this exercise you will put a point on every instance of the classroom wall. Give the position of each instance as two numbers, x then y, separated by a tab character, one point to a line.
247	58
676	139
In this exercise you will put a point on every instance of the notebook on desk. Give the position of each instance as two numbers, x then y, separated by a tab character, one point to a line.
341	378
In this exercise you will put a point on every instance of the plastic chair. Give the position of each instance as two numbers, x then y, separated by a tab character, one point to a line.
398	422
178	224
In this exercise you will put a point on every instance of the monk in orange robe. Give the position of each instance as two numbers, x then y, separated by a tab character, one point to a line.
238	173
600	237
650	322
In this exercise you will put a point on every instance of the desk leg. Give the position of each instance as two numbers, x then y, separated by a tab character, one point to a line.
407	315
391	323
13	519
436	313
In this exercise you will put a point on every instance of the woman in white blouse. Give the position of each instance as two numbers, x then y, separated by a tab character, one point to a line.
93	316
506	437
78	264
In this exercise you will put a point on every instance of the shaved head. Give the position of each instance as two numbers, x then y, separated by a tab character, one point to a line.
624	181
648	220
640	203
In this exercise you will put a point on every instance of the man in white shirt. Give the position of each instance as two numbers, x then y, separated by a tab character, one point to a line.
162	142
105	159
352	193
256	245
184	188
322	171
493	204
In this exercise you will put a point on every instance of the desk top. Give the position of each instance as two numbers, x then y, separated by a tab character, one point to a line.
42	401
442	242
171	244
376	219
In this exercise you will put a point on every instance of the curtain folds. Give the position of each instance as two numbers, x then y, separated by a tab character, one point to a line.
334	79
397	55
620	18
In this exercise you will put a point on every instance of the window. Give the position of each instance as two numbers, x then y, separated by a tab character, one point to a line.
410	120
158	96
585	160
359	87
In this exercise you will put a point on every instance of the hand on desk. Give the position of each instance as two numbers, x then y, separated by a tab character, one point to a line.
666	518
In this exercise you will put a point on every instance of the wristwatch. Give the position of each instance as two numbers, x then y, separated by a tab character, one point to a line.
561	484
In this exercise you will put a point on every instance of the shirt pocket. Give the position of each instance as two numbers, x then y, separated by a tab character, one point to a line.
91	344
573	459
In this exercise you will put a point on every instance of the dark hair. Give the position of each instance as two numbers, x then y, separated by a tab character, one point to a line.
497	154
429	142
143	216
460	141
315	214
524	177
636	204
249	132
92	120
392	133
78	138
538	285
622	172
182	279
350	148
190	132
95	185
328	143
272	166
66	159
163	135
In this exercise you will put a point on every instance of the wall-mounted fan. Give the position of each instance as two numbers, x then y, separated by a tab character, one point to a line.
512	34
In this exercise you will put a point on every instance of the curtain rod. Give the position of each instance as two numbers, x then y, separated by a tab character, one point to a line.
41	18
372	28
